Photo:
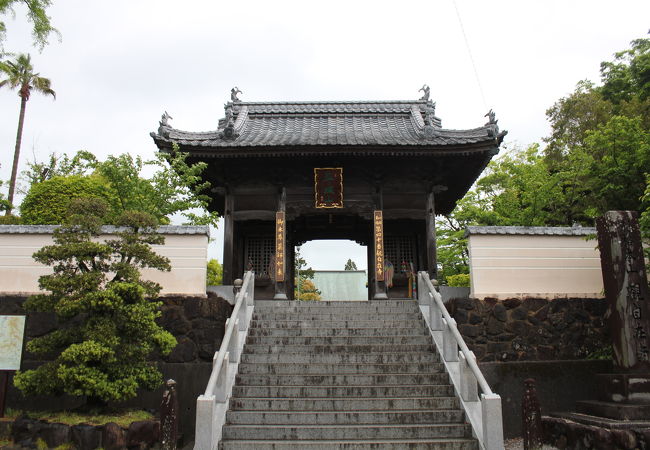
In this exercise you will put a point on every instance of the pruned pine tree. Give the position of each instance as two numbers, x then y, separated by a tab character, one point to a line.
106	312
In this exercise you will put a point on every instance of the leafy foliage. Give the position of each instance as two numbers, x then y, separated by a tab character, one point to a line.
303	274
36	14
47	203
308	290
105	310
597	159
215	273
459	280
350	265
175	187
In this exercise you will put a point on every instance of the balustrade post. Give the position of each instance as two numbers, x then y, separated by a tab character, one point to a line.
492	421
449	344
233	344
435	315
204	428
241	316
250	298
221	391
423	297
468	383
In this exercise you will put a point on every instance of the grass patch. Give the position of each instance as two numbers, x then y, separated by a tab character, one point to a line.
122	418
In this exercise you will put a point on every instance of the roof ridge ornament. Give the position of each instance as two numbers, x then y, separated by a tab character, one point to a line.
233	94
163	124
426	90
492	127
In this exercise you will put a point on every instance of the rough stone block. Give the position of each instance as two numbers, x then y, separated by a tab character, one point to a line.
185	351
143	434
494	326
113	437
519	313
511	303
468	330
86	437
534	304
173	320
500	312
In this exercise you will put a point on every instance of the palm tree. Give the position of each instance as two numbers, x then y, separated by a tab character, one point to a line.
20	74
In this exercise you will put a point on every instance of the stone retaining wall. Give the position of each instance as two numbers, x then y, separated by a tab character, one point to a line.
196	322
532	328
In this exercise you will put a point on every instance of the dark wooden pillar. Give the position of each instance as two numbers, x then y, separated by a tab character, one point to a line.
371	266
432	257
228	239
281	247
380	289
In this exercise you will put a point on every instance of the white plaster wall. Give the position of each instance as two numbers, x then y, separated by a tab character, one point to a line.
505	266
19	272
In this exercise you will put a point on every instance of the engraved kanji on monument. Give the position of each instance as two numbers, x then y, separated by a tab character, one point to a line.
626	289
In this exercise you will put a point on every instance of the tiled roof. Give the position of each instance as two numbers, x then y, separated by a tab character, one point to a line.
532	231
107	229
390	123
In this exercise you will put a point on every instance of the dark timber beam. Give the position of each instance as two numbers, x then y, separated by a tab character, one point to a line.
432	257
228	239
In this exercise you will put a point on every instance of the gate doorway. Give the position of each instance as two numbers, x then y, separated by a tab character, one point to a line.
336	268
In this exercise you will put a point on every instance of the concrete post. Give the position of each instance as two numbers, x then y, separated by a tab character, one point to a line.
423	297
241	316
468	383
492	421
221	391
204	428
449	344
233	344
435	315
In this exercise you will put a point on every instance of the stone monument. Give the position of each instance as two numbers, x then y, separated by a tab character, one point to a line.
626	290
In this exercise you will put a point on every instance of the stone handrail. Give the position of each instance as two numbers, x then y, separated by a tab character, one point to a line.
484	412
211	407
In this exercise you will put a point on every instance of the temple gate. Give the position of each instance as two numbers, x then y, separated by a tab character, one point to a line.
375	172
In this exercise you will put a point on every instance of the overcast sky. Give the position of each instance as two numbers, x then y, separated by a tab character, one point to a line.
121	63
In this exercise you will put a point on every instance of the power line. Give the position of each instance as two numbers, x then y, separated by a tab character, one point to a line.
471	57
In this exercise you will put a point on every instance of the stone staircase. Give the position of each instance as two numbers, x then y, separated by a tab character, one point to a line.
351	375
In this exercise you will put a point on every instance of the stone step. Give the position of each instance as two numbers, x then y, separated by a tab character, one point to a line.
352	315
386	431
392	404
331	349
338	340
345	418
433	390
335	369
337	305
384	444
341	358
602	422
339	332
328	324
341	379
614	410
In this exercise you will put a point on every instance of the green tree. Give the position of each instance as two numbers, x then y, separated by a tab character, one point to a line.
47	203
302	273
215	273
350	265
20	75
105	310
36	14
175	187
308	290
